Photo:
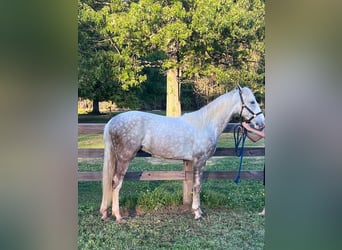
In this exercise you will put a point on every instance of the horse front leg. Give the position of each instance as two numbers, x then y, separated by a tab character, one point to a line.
198	172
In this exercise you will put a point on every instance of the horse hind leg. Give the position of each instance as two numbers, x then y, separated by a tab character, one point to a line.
109	167
114	170
117	184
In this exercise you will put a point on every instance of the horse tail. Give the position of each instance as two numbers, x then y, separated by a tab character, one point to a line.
109	167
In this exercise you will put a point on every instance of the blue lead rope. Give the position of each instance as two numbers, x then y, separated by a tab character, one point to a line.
240	135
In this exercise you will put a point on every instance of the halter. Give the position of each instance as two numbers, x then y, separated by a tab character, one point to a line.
246	107
240	134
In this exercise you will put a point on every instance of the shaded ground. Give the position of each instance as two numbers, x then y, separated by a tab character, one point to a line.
220	229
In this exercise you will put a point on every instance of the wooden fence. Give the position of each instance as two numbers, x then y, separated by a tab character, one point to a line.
186	175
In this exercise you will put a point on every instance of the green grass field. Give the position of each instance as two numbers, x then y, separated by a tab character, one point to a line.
156	218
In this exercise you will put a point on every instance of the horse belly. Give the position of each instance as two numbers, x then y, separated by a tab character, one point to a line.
168	145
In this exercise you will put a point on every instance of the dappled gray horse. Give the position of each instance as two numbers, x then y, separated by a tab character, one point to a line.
191	137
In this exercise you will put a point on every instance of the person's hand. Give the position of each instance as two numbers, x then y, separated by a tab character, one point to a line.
246	125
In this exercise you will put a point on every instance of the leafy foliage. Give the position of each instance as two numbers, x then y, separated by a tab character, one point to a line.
213	44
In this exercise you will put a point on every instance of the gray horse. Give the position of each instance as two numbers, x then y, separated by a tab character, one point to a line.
191	137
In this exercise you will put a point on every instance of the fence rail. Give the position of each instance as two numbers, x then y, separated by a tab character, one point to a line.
97	128
186	175
248	152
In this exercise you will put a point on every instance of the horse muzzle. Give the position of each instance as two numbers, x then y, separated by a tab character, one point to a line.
258	121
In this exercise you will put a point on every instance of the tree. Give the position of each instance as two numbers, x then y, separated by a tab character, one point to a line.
211	43
227	45
153	90
94	75
150	26
102	69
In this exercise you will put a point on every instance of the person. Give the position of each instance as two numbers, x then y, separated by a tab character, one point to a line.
255	135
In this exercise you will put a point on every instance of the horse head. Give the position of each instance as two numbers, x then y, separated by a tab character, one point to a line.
250	109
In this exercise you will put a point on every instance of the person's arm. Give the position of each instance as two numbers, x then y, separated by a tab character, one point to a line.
253	137
257	134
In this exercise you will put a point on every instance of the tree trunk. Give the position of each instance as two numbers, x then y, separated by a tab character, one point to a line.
173	107
96	109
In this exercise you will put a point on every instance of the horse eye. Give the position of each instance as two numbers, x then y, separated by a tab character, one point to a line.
252	102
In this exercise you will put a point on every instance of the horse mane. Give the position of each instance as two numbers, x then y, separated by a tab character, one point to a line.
212	112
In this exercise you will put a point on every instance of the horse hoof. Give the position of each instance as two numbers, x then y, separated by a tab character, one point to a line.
105	219
198	213
198	218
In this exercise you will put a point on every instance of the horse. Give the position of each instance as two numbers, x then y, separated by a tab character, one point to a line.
190	137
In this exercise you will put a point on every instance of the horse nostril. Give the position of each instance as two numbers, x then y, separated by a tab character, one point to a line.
260	125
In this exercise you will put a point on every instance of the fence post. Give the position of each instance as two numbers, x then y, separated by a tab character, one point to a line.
188	182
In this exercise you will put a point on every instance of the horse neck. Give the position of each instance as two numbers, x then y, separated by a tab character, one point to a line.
218	113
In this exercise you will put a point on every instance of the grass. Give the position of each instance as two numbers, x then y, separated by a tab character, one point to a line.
156	221
221	229
90	141
156	217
